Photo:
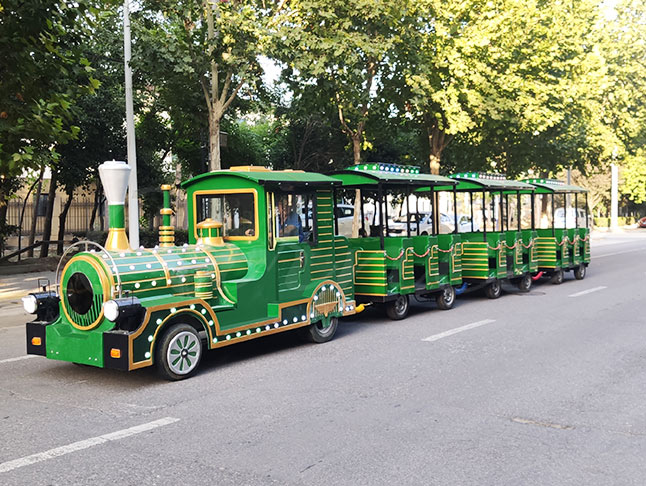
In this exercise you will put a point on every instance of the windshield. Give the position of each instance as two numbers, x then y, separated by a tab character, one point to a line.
235	211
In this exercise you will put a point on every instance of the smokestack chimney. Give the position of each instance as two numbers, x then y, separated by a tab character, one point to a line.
114	177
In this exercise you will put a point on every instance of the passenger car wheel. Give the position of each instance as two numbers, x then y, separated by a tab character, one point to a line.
579	273
493	290
557	276
398	308
446	298
525	283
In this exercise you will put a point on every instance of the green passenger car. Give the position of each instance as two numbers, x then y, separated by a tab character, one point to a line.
563	242
390	267
262	258
499	247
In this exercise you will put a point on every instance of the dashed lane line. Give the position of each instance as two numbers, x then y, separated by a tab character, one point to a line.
589	291
595	256
451	332
84	444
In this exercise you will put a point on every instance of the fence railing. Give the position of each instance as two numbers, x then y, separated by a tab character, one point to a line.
78	216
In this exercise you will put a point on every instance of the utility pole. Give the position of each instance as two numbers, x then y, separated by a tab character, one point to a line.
614	197
133	193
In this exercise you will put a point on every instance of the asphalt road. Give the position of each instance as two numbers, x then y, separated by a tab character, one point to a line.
539	388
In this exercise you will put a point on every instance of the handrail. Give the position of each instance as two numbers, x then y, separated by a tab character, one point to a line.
102	249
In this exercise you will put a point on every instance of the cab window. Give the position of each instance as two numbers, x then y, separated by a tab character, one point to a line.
236	212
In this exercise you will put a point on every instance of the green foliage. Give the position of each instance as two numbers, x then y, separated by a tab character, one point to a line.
341	47
633	175
43	71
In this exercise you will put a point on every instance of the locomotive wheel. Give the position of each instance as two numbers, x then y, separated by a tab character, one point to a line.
525	283
493	290
579	273
179	352
446	299
319	332
398	308
557	277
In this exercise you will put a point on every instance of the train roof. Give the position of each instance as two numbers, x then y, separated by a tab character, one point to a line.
391	174
489	182
264	176
554	185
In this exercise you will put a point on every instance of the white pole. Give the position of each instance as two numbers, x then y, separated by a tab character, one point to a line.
614	197
133	195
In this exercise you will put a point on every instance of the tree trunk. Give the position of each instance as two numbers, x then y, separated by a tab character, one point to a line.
434	163
62	221
214	143
34	214
4	205
356	148
438	140
95	208
47	231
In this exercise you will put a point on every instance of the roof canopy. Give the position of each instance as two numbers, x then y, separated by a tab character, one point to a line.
283	179
546	186
389	175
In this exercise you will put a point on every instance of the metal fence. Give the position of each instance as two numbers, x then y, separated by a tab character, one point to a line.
78	216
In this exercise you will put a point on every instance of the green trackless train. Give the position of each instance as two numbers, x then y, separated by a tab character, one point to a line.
265	256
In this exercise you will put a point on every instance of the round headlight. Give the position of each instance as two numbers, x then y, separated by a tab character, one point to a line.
111	310
30	303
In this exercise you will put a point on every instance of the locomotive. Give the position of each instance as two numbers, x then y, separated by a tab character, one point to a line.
250	269
264	256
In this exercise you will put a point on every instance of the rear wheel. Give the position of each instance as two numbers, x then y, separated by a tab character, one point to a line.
321	331
398	308
493	290
179	352
525	283
446	298
557	276
579	273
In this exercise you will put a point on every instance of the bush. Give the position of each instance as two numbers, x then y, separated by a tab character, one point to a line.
601	222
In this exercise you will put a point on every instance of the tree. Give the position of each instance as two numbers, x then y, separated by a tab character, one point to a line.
43	71
210	47
341	47
478	69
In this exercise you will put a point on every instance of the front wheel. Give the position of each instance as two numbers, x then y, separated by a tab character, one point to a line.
446	298
557	277
319	332
398	308
179	352
579	273
494	289
525	283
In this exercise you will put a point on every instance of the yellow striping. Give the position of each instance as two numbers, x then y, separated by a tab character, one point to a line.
290	260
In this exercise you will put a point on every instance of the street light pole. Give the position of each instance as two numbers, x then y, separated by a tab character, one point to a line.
133	196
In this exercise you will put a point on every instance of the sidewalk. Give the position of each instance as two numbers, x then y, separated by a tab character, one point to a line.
14	287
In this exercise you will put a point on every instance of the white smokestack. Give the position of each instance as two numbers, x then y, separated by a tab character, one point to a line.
114	177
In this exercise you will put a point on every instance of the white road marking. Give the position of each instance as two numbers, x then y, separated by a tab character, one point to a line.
451	332
589	291
594	256
19	358
83	444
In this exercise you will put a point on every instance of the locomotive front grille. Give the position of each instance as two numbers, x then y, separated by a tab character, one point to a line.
84	288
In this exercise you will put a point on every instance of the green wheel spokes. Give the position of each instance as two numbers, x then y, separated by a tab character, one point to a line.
183	353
